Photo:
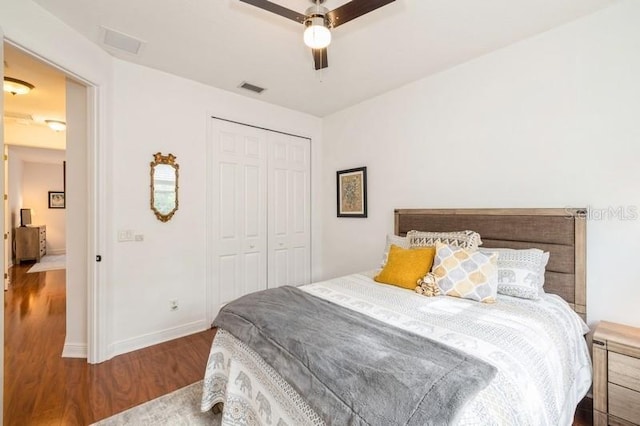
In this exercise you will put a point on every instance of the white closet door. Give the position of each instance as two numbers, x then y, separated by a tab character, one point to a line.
239	213
289	260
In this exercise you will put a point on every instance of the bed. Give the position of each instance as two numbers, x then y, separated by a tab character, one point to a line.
536	348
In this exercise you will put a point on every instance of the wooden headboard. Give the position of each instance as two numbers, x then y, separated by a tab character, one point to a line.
561	232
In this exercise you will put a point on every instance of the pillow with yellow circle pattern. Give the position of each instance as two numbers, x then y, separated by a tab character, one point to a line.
405	267
467	274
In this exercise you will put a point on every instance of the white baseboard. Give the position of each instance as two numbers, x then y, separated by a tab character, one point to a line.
150	339
74	350
56	251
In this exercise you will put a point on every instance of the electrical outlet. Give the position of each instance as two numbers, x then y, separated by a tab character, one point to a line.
173	304
139	237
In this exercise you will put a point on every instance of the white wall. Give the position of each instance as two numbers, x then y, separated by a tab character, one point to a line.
37	180
548	122
169	114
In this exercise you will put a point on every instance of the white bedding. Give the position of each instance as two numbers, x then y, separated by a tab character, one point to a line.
543	364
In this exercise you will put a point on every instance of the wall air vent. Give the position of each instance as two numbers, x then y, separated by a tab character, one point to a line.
121	41
252	87
18	116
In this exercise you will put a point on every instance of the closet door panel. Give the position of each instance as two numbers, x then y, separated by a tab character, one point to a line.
300	267
253	200
228	273
279	197
229	253
228	201
288	212
300	218
254	231
280	260
239	243
254	273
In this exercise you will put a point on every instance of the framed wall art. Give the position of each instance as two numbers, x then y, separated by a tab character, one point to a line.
56	200
352	192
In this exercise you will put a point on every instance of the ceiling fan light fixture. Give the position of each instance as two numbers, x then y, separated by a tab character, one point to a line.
56	125
318	21
16	87
316	33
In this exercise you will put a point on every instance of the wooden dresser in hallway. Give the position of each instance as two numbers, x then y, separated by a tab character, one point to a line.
31	243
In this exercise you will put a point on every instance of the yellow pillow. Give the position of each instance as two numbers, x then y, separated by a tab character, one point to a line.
405	267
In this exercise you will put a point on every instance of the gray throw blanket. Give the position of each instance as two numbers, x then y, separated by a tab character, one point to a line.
353	369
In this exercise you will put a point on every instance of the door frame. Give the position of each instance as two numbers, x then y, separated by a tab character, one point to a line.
2	254
6	222
97	346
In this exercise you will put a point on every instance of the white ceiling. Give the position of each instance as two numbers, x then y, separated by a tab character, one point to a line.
224	42
25	115
37	155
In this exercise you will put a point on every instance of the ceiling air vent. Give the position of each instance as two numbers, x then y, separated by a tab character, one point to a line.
121	41
252	87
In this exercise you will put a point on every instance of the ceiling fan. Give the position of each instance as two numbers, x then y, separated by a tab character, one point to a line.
318	21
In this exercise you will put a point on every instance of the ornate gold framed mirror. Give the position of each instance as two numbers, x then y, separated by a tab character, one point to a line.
164	186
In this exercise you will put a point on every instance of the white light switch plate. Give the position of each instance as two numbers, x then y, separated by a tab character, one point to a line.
125	235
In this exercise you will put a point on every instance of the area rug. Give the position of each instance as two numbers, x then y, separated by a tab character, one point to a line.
49	263
181	407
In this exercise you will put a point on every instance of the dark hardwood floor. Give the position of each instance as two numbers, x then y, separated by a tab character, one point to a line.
584	413
41	388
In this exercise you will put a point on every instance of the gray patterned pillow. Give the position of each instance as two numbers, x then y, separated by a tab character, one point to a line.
464	239
520	272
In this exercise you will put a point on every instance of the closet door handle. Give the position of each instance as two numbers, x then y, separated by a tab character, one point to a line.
251	246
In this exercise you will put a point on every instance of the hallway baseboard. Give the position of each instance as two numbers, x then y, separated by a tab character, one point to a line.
74	350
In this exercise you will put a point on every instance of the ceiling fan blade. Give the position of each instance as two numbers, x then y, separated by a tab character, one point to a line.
354	9
320	58
277	9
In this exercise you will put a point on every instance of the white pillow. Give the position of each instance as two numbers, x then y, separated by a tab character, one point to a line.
397	240
520	272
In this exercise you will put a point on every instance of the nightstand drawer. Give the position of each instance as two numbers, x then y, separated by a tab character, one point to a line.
624	371
624	403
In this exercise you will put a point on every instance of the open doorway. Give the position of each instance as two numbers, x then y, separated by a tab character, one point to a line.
34	119
35	125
